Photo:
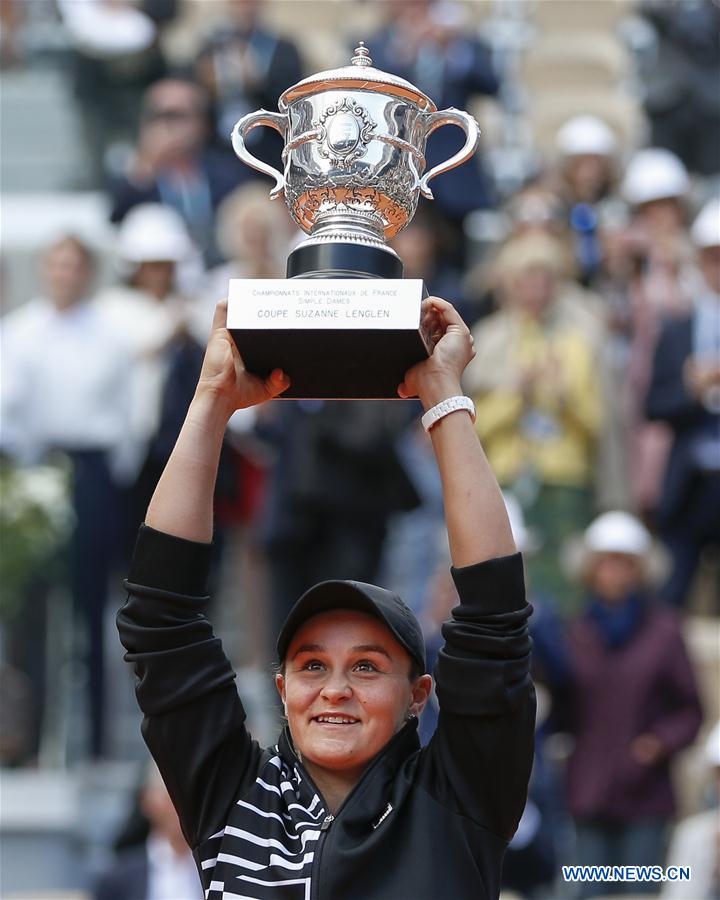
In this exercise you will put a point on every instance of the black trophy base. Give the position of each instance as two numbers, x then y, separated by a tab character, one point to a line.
335	259
318	334
334	365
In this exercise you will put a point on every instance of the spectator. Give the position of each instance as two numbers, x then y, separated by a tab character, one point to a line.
245	66
696	840
655	185
167	333
681	96
685	393
536	207
582	212
429	44
539	400
253	234
588	150
152	316
115	55
173	166
160	866
631	703
65	388
538	211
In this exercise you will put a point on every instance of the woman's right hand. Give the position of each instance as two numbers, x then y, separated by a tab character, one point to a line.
224	377
438	377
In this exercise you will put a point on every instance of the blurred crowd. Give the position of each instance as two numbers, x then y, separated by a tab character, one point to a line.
594	300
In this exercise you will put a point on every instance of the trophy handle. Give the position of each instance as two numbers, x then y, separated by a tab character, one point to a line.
278	121
472	139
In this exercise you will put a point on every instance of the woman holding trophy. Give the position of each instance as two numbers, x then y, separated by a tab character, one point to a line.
346	804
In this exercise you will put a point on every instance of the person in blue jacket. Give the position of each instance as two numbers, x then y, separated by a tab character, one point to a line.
346	805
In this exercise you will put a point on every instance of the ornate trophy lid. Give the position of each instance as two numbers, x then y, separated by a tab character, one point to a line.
359	75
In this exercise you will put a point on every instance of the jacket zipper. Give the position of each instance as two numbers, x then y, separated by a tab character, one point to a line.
330	818
315	870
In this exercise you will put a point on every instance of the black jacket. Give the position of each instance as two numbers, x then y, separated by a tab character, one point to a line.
127	879
668	399
422	824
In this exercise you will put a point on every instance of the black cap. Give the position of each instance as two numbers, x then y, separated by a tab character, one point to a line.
367	598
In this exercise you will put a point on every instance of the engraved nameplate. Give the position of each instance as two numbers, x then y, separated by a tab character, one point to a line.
329	303
335	337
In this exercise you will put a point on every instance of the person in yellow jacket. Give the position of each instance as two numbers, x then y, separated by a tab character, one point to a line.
537	387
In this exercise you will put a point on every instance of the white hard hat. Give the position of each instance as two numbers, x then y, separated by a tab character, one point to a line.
654	174
705	231
618	532
106	30
586	134
153	233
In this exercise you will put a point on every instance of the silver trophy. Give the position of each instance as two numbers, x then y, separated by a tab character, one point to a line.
354	168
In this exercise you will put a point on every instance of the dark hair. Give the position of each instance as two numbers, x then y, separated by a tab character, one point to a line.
416	670
183	77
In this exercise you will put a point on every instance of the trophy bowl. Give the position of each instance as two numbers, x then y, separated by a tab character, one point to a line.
354	164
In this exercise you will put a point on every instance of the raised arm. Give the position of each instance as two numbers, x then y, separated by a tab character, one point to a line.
182	504
477	523
480	757
194	722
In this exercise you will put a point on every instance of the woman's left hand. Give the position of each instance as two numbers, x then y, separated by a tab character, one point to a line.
438	377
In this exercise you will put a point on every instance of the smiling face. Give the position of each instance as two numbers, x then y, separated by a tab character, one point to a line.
347	690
